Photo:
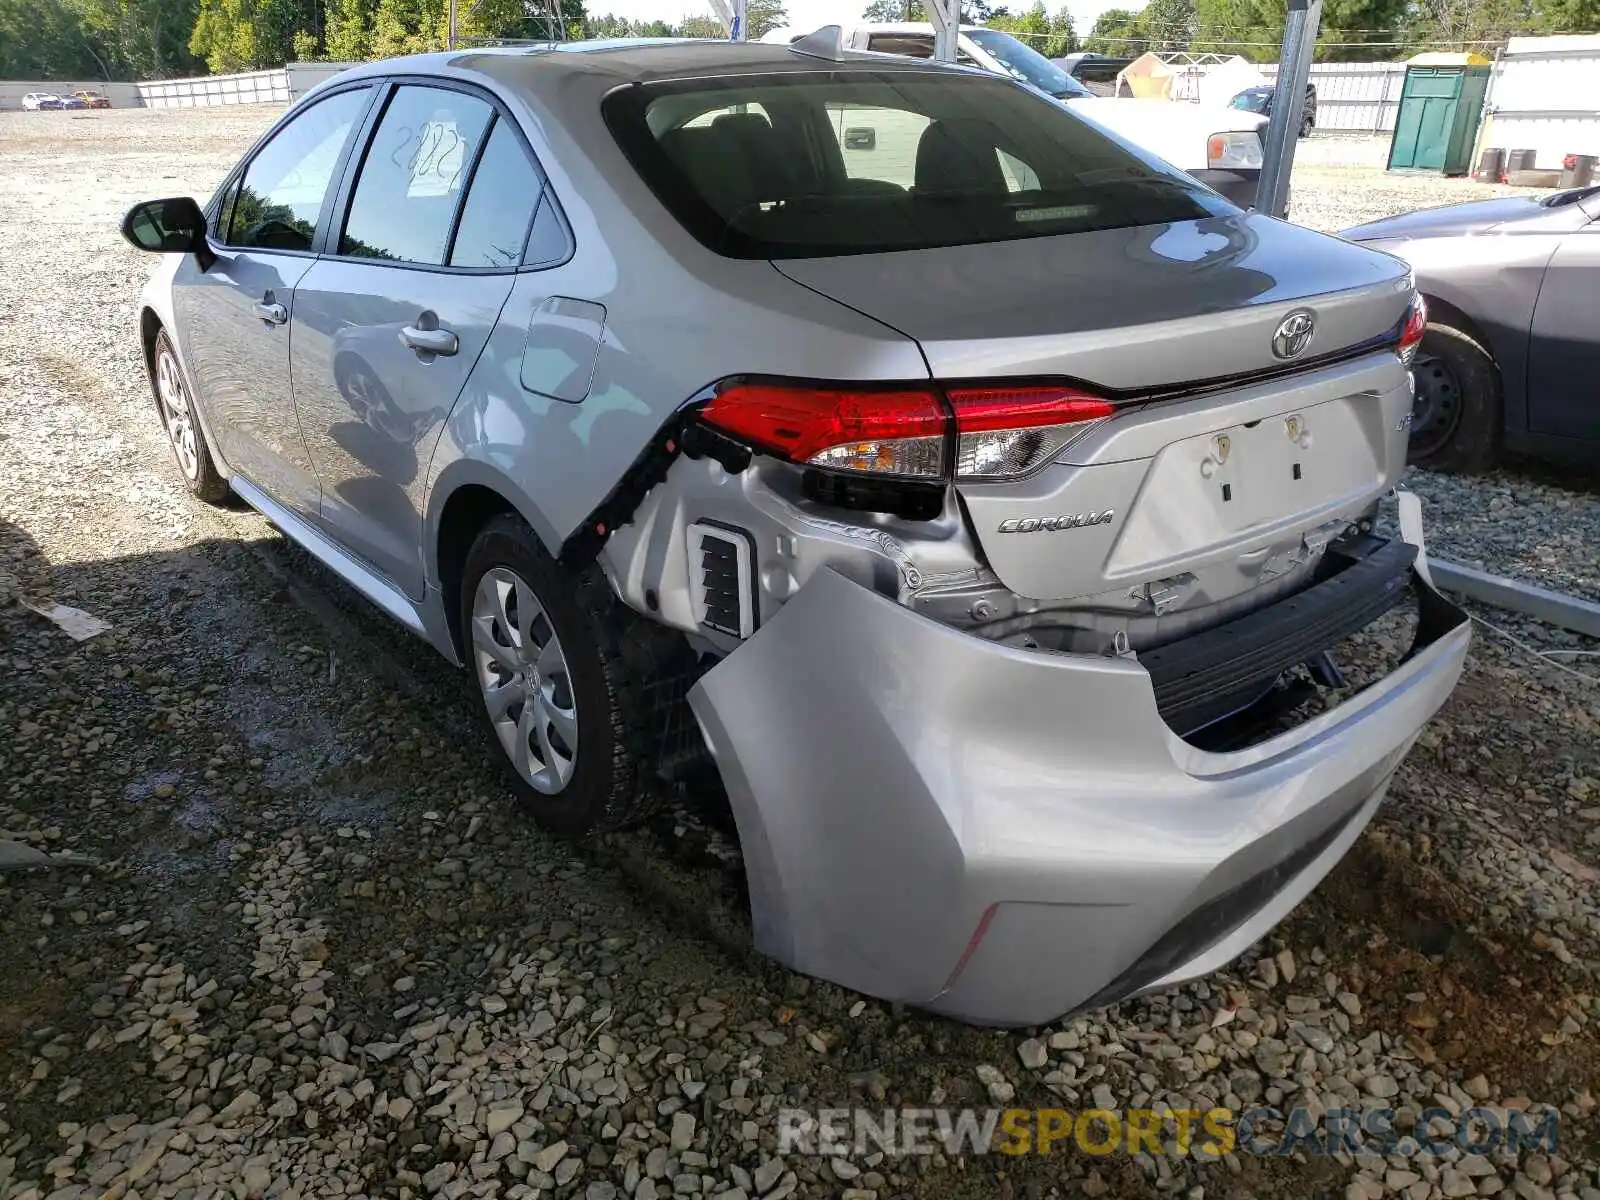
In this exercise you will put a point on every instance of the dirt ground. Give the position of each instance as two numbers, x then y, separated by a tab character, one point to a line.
307	947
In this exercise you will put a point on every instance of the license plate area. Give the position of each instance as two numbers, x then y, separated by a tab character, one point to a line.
1228	486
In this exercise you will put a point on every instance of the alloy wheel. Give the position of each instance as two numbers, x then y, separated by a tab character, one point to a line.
176	413
523	675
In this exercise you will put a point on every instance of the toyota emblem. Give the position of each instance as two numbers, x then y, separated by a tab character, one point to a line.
1294	333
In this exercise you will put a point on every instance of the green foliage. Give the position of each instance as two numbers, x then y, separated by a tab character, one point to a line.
1348	28
1032	27
348	29
763	16
225	36
1120	31
884	11
1170	24
973	12
144	39
702	26
95	39
1063	35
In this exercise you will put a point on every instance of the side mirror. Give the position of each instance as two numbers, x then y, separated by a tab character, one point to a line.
172	226
860	137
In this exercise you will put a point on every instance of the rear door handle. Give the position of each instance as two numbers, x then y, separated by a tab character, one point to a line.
430	341
270	312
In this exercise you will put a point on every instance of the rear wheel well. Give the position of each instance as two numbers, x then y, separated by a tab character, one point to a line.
467	511
149	328
1446	313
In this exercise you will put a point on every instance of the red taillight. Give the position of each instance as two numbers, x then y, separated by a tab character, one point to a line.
1411	332
1002	431
898	432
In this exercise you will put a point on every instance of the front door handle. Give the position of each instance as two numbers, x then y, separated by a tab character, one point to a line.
270	311
426	340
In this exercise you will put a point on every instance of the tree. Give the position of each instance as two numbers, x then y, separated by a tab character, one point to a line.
1170	23
225	36
973	12
884	11
763	16
1032	28
406	27
1118	31
348	29
703	26
1348	27
1063	35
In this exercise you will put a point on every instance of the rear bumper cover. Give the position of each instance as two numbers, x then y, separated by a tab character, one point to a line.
1003	835
1240	186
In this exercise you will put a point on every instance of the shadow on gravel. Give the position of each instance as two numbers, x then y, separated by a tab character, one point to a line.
275	779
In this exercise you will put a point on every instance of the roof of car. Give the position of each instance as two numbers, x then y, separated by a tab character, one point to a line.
538	69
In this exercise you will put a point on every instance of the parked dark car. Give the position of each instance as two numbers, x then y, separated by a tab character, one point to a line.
1258	99
1097	72
1512	349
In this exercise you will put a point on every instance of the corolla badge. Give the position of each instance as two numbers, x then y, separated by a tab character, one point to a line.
1294	333
1051	524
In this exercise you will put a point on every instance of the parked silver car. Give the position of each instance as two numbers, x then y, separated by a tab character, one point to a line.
1512	350
972	527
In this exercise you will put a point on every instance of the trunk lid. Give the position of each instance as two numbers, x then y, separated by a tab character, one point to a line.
1143	307
1211	493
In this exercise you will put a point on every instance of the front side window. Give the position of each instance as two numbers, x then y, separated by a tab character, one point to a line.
413	174
854	162
280	196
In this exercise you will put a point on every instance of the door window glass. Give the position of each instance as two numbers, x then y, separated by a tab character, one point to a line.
500	203
411	179
282	191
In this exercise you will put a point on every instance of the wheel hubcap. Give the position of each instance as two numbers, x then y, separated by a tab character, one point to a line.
522	673
176	414
1435	406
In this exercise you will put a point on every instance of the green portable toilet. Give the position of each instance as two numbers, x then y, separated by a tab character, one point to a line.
1440	105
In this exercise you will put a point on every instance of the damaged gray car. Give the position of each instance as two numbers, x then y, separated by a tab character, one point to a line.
981	499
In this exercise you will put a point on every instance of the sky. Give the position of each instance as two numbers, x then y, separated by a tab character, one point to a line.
809	14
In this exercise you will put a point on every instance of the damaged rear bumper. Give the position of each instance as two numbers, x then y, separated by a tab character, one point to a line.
1005	835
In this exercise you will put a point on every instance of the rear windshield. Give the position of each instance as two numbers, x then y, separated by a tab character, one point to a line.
820	163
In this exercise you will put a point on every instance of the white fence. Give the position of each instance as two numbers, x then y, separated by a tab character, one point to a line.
277	86
1354	97
121	95
1545	96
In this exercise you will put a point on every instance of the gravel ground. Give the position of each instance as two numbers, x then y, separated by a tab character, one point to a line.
296	942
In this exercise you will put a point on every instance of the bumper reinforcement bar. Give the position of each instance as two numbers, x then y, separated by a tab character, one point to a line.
1205	677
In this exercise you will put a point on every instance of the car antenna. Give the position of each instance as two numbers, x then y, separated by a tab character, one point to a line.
824	43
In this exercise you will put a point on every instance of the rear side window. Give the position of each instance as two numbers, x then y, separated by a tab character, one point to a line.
412	177
850	162
500	203
280	196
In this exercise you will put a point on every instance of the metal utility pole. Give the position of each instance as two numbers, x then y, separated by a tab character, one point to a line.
946	18
732	15
1288	105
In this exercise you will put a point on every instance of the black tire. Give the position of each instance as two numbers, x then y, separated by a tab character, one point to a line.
181	423
1458	420
615	661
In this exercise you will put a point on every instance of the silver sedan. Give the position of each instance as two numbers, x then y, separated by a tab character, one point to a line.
979	499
